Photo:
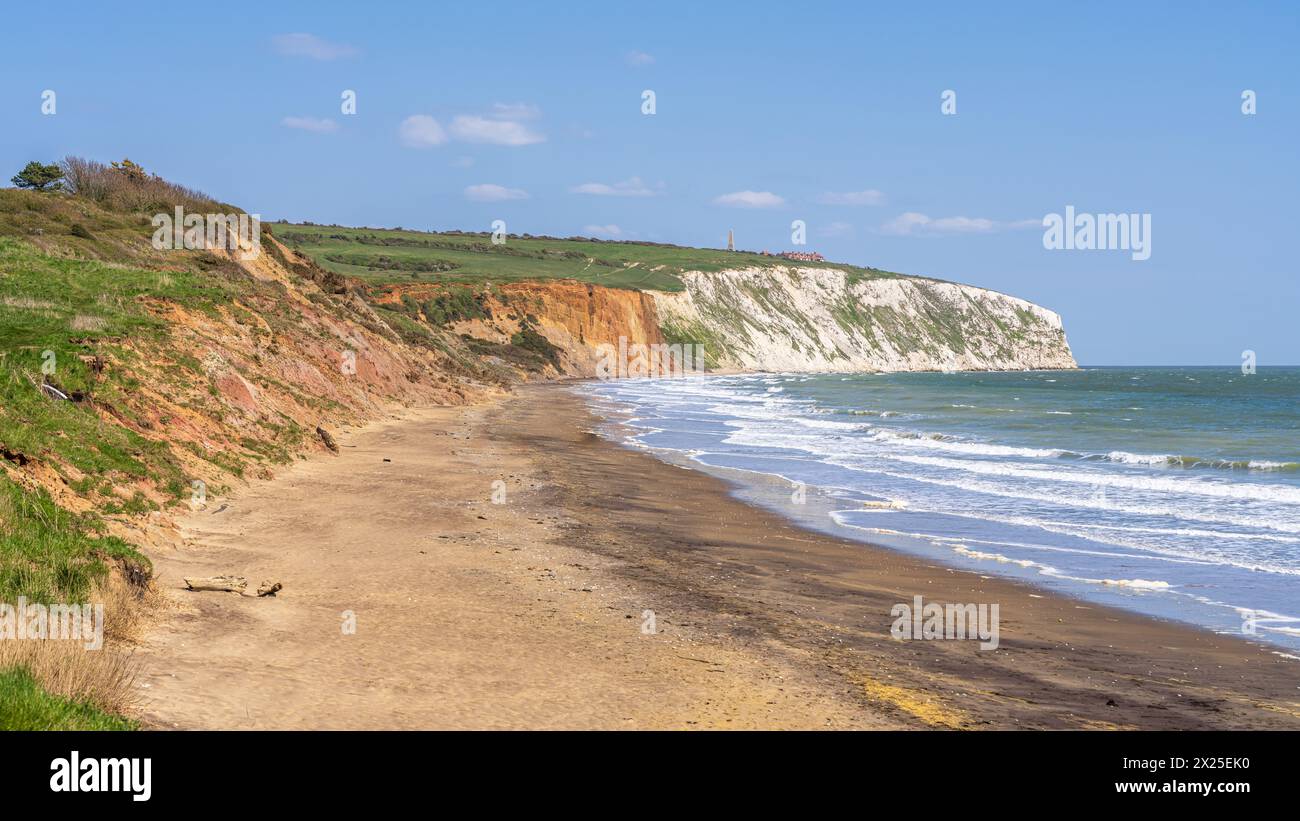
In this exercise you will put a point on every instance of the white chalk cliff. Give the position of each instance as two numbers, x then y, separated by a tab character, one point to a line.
808	318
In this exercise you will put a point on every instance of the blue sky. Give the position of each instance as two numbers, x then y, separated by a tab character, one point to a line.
834	109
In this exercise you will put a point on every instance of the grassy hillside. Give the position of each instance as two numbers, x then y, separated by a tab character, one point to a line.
128	373
388	255
70	303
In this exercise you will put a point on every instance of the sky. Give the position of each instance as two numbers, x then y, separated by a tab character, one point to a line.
764	114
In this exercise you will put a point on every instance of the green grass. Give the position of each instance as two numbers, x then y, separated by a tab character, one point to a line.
25	706
56	316
79	318
74	226
395	256
49	554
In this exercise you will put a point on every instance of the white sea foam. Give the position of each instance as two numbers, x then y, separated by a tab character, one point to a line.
932	442
1121	519
1197	486
1137	584
1001	559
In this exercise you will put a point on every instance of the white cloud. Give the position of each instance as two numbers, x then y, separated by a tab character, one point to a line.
835	229
639	58
475	129
1018	225
602	230
912	224
487	192
750	199
869	197
963	225
421	131
905	224
504	126
311	46
515	111
313	124
627	188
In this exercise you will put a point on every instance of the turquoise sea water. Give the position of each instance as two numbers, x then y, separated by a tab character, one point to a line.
1170	491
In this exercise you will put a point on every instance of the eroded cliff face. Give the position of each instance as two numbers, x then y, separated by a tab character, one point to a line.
235	386
764	319
578	317
824	319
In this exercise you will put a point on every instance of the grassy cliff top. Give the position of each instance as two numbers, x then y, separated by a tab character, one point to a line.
383	255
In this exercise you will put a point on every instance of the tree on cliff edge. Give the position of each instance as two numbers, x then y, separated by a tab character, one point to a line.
39	177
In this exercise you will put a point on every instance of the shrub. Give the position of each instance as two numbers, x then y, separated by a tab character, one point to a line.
39	177
531	340
455	305
125	186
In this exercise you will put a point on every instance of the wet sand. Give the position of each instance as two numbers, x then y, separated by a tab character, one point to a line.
536	612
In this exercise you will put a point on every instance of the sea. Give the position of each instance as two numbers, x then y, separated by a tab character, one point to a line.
1169	491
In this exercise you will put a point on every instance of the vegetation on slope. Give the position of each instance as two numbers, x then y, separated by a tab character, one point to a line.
396	255
25	705
117	366
51	555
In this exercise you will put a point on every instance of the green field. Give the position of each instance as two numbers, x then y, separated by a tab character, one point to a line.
391	255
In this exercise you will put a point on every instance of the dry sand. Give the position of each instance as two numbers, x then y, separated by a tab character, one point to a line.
532	613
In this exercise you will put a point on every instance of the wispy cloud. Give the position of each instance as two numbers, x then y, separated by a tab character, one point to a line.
312	124
639	58
474	129
750	199
311	47
835	229
515	111
487	192
633	187
912	224
869	197
421	131
602	230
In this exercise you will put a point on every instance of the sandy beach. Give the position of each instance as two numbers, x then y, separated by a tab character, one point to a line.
598	587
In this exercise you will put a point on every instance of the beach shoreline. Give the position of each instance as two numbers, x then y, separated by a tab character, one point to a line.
533	612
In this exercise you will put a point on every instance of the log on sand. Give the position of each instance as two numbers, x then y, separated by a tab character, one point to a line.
224	584
269	588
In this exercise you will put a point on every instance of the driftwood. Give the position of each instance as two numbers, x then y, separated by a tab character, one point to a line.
269	588
224	584
327	439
